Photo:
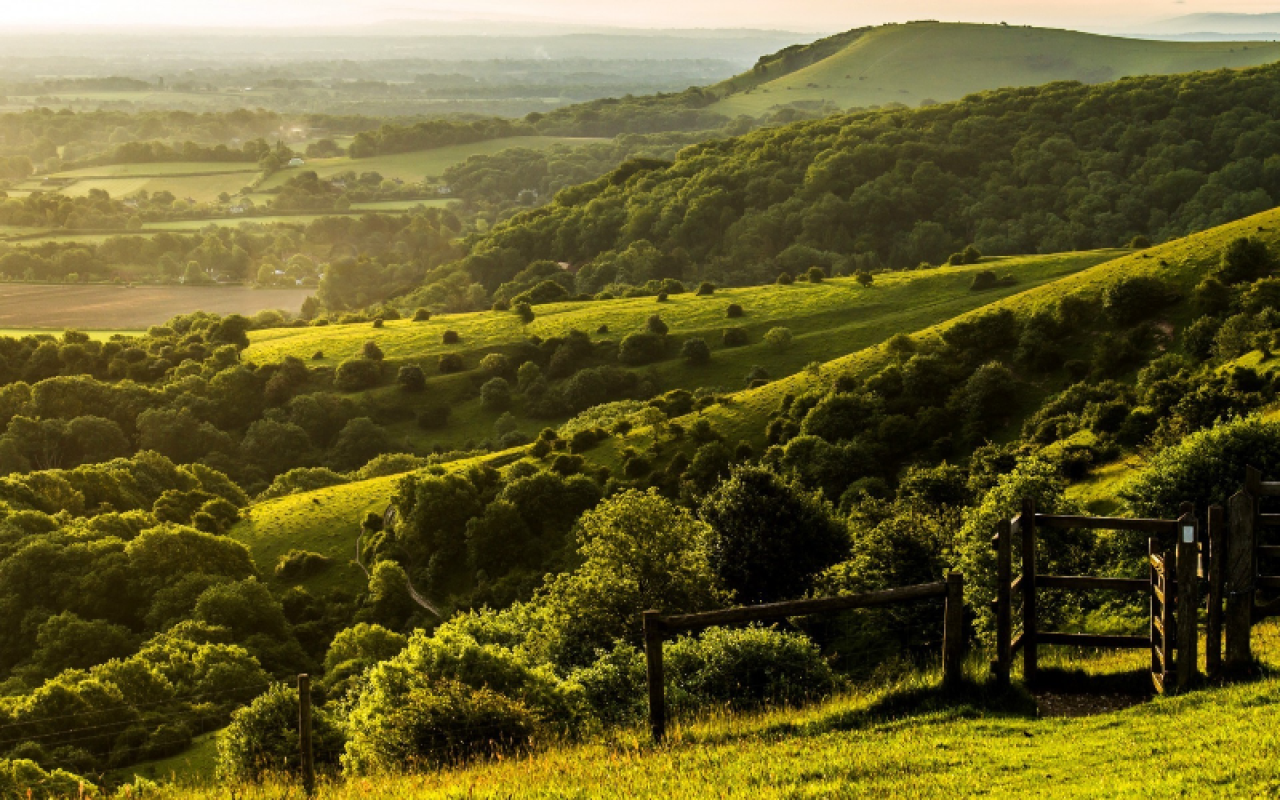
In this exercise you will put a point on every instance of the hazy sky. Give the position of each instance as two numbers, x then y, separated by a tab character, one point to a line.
824	15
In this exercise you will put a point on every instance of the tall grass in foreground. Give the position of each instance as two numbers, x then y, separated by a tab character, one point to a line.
898	736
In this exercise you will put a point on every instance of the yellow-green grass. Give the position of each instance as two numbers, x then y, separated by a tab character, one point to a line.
946	61
325	521
201	188
194	766
161	169
900	737
828	320
420	165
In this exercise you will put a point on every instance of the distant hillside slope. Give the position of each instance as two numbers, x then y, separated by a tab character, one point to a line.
916	62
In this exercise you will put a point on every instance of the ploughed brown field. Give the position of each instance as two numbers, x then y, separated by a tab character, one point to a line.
96	307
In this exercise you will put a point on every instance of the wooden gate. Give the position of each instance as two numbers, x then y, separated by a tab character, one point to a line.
1239	574
1173	612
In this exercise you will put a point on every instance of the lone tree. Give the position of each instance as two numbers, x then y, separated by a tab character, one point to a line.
695	351
656	325
769	538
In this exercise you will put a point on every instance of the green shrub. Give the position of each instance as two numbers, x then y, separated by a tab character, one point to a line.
525	312
411	378
770	537
735	337
1204	468
450	337
743	668
778	338
615	686
734	311
377	322
495	395
785	279
356	374
864	278
496	364
421	315
642	348
371	351
662	297
815	275
1245	260
656	326
986	279
705	289
695	351
450	363
23	778
297	565
436	725
1135	298
262	738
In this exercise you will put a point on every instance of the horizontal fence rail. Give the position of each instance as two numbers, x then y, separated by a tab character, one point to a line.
658	627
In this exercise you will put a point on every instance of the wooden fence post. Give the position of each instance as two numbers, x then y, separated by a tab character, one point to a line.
304	736
953	632
1004	605
653	632
1238	574
1213	618
1030	662
1188	601
1153	550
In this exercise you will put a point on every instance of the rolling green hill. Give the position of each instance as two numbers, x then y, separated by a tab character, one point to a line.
922	61
327	521
827	320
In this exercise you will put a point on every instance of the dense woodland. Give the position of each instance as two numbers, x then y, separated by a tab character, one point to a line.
1064	167
500	611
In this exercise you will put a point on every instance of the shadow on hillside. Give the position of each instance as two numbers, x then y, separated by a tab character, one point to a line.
1078	693
968	700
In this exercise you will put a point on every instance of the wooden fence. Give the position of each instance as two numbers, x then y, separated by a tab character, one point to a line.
1167	630
657	628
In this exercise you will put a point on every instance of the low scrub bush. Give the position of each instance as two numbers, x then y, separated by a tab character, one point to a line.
743	668
262	738
356	374
297	565
735	337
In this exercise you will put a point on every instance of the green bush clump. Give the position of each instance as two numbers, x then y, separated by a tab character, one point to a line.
450	337
421	315
262	738
642	348
1205	468
695	351
656	326
706	288
815	275
411	378
525	312
447	697
735	337
785	279
744	668
451	362
297	565
356	374
495	395
734	311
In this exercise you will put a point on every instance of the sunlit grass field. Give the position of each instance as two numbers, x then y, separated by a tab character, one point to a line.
946	61
900	736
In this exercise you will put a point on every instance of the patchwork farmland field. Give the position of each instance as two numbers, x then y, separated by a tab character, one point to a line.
98	307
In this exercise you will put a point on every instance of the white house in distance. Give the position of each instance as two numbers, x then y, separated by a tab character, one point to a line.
296	162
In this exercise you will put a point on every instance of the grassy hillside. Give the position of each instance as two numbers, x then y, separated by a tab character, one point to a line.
828	320
945	61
